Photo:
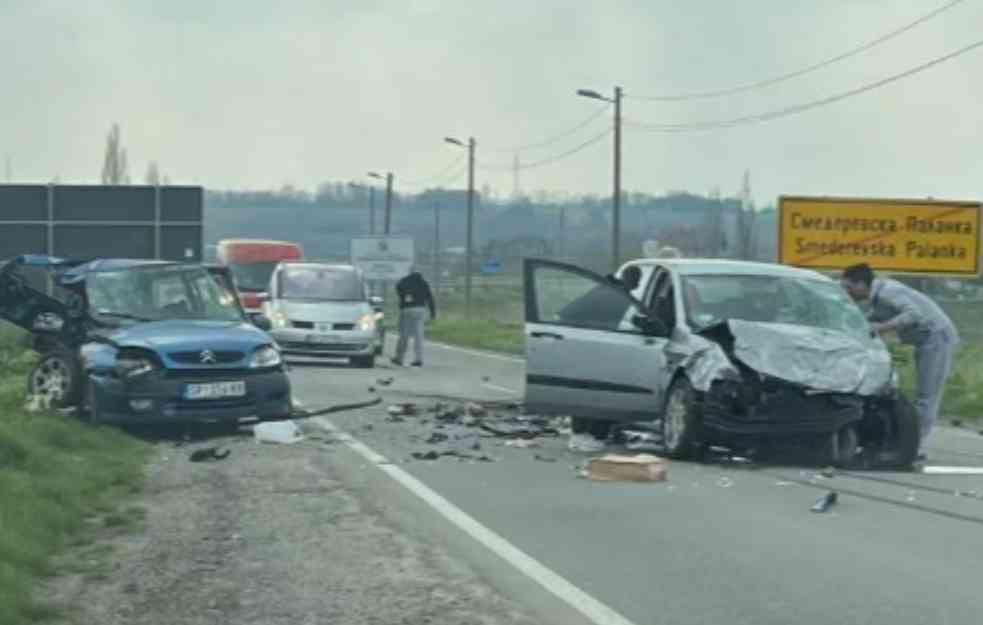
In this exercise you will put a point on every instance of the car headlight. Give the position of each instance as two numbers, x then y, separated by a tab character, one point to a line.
129	366
279	320
366	323
266	356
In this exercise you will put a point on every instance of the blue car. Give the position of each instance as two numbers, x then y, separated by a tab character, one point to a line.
144	342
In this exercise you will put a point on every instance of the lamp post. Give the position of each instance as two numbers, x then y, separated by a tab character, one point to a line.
371	189
616	199
389	198
469	246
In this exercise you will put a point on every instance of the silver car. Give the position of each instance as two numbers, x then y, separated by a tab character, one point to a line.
718	352
319	309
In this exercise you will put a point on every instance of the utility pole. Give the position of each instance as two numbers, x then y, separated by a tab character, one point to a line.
616	197
562	233
616	213
436	246
389	200
470	250
372	210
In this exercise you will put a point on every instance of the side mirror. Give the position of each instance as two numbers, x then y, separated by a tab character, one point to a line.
376	302
652	326
261	321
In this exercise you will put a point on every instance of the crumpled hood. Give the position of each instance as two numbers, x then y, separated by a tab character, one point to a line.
188	335
820	359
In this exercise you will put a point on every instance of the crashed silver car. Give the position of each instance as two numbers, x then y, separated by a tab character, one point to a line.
728	353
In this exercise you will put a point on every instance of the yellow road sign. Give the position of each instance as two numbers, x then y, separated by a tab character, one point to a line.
899	236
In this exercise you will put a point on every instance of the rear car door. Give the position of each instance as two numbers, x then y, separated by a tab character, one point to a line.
584	357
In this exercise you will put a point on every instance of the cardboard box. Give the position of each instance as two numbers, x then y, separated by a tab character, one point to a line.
618	468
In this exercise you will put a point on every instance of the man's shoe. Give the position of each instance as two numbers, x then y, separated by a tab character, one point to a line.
418	363
397	363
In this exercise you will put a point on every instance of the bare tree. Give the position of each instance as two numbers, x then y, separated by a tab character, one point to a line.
746	244
114	165
153	174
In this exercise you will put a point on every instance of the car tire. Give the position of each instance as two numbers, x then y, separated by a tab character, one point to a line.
681	429
841	447
90	407
907	428
58	377
364	362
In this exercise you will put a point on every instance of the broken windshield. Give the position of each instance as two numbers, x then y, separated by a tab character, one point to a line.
159	292
709	299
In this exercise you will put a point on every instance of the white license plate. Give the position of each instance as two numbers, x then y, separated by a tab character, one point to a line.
322	338
215	390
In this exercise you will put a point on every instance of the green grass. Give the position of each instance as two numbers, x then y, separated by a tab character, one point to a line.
479	334
57	475
963	397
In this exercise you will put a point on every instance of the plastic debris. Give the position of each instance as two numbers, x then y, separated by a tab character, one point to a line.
523	443
544	458
639	468
475	410
209	453
585	443
385	381
280	432
510	430
429	455
406	409
825	502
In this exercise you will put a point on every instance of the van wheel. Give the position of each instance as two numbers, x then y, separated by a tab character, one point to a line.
680	421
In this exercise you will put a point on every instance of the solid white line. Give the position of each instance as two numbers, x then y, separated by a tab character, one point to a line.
594	610
464	350
496	387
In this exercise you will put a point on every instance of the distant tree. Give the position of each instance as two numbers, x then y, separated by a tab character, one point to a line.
153	177
114	165
745	221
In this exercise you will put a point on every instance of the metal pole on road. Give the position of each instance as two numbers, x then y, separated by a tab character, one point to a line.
469	249
372	210
436	246
389	200
616	196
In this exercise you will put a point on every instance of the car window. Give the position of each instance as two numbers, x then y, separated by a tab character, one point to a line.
568	298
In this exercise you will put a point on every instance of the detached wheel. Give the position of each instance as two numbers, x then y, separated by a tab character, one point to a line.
364	362
57	380
680	421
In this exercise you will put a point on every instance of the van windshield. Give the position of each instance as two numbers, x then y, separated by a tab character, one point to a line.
324	284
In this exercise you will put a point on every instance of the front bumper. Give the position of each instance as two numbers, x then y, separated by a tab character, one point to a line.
335	344
783	411
267	397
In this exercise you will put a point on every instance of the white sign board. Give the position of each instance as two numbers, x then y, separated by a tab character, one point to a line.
383	258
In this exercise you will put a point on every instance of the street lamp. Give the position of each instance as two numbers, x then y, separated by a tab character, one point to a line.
469	249
616	200
389	197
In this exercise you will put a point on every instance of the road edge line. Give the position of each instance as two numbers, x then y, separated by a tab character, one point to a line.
588	606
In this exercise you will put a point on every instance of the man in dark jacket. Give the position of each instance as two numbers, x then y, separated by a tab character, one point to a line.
415	297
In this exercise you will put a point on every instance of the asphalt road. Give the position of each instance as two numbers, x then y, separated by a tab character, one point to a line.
717	543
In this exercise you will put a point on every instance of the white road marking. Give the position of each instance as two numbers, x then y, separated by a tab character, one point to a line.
496	387
475	352
594	610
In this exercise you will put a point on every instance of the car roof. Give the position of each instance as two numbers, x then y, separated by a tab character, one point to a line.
225	242
717	266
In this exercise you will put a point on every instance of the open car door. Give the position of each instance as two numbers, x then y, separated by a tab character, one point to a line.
223	275
591	349
30	308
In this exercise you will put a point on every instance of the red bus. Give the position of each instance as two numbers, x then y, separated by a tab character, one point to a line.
252	262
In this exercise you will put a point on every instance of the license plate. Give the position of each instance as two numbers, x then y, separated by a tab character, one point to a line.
215	390
322	338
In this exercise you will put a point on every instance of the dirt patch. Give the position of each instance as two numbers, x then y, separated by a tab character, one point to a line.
267	537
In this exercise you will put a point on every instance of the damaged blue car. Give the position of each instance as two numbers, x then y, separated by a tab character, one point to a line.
143	342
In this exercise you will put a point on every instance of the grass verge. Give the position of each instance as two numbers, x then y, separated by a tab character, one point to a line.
479	334
57	475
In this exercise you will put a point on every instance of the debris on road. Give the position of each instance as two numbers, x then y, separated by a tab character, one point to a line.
956	423
523	443
829	472
637	440
385	381
429	455
436	437
475	410
302	413
514	430
826	502
209	453
371	389
543	458
725	482
280	432
639	468
394	418
406	409
940	470
436	455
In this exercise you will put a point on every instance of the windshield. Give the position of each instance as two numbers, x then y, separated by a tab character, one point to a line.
252	276
159	293
326	284
771	299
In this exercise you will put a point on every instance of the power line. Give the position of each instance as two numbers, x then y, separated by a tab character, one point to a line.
554	138
439	175
806	106
807	70
551	159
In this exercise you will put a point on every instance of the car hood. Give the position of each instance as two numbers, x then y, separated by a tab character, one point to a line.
323	312
823	360
187	335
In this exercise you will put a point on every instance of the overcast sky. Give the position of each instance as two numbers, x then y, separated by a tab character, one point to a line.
257	94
